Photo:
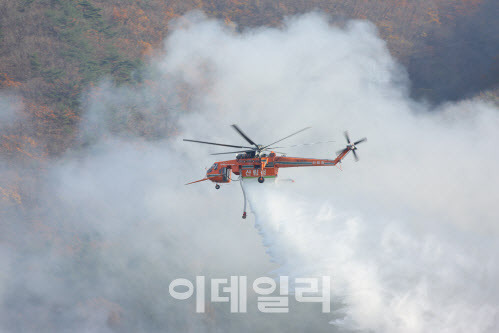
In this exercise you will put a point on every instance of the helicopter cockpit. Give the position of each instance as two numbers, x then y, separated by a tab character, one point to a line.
220	173
213	167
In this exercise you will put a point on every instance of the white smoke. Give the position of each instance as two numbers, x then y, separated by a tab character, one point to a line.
407	234
11	107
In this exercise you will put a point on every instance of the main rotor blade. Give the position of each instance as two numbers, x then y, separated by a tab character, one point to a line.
306	128
217	144
301	144
245	151
347	137
231	152
355	155
359	141
243	135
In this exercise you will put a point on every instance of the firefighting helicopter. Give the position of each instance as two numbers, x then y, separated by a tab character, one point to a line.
261	161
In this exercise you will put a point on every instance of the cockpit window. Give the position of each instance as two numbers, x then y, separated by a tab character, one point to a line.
215	166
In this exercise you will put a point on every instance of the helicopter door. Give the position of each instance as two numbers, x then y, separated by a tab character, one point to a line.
225	174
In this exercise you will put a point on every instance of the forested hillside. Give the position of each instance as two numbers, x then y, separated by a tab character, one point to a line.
52	50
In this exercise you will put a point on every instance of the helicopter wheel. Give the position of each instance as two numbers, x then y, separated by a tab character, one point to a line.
217	187
261	179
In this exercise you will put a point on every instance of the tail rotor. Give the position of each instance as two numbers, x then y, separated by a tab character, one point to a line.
351	146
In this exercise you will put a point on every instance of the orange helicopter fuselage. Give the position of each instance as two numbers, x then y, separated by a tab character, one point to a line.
266	166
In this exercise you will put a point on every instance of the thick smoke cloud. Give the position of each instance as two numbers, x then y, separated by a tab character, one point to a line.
407	234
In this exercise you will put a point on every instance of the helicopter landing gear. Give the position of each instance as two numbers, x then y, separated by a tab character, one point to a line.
261	179
217	187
